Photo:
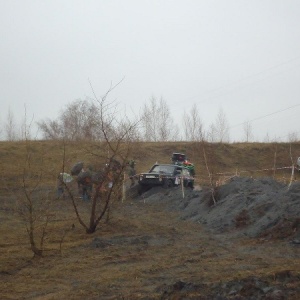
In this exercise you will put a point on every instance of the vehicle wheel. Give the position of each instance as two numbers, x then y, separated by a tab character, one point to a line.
168	183
191	185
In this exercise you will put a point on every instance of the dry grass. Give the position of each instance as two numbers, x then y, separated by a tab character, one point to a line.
142	248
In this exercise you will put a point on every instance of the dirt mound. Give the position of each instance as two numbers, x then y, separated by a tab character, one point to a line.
253	207
247	288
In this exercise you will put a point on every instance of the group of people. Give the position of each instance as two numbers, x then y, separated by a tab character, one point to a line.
83	178
86	179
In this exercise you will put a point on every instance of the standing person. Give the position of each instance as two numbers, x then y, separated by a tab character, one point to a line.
85	184
63	179
131	172
190	166
60	186
87	189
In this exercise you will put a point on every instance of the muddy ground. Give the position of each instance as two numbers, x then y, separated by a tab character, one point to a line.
161	245
261	210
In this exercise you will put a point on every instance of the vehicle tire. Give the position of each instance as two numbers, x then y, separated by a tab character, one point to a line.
168	183
191	185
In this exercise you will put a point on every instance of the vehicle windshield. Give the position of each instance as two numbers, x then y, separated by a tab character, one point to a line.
162	169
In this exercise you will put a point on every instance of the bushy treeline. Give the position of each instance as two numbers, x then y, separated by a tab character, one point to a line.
82	120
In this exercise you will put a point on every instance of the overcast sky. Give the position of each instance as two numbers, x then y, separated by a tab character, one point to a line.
241	56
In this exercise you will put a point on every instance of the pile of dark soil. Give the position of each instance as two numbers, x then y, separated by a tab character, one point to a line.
253	207
248	288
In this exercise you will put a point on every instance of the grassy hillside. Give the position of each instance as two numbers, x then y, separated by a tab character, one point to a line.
144	247
51	157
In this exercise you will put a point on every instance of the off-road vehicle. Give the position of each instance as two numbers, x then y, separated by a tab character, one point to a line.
178	158
181	160
165	175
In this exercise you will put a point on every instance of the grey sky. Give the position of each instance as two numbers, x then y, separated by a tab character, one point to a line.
243	56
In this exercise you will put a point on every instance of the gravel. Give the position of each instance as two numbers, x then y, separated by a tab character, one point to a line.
259	207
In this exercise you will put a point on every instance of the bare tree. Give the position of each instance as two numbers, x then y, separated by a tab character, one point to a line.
10	127
80	120
164	128
221	127
193	127
248	131
293	137
51	129
207	150
209	155
33	202
149	117
211	134
175	134
293	167
113	152
267	138
158	125
26	126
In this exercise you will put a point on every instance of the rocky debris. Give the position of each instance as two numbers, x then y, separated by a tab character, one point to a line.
253	207
247	288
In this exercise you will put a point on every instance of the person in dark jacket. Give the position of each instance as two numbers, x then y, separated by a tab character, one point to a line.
131	171
85	184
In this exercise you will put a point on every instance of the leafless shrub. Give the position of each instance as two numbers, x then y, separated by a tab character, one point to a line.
33	204
118	139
